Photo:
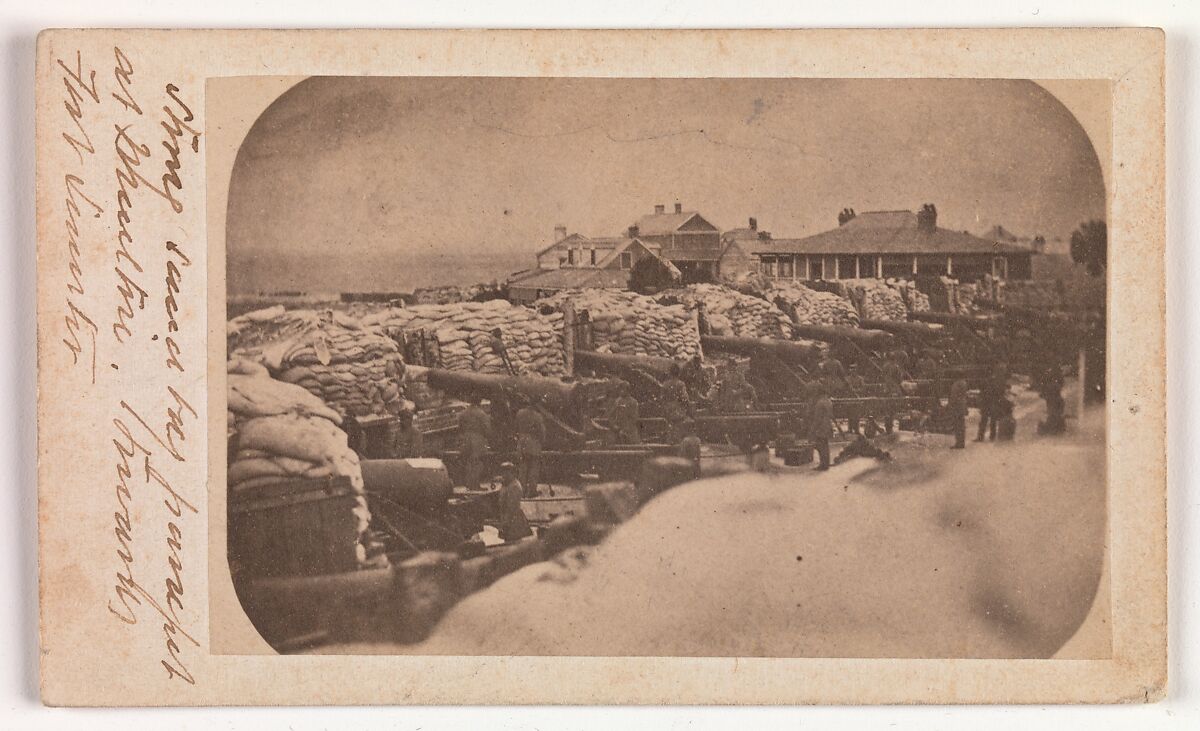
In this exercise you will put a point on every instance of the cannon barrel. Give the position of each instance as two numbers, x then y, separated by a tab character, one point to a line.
619	364
872	339
908	329
950	318
556	395
786	350
415	484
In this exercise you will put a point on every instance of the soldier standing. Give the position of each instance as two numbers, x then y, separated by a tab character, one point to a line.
958	412
893	378
624	416
513	525
820	423
855	385
735	394
531	434
834	374
409	441
497	344
927	367
476	428
675	404
990	397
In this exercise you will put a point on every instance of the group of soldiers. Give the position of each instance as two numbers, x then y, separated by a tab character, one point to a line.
478	433
995	408
523	433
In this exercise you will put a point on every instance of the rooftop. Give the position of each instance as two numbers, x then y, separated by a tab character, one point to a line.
887	232
571	278
659	224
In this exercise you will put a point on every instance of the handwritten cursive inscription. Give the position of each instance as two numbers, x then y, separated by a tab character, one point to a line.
174	278
80	94
128	591
153	503
132	154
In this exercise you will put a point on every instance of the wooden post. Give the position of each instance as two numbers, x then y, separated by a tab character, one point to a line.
949	266
879	267
914	264
857	267
837	265
568	344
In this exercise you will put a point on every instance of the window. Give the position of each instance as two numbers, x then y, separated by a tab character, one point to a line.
1000	267
845	266
593	257
970	268
816	267
897	265
931	265
785	267
768	266
571	257
626	260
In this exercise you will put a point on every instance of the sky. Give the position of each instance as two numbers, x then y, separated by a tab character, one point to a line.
390	169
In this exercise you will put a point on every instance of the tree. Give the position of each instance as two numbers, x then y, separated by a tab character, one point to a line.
649	275
1089	246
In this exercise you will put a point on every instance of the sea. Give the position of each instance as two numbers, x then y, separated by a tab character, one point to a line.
375	272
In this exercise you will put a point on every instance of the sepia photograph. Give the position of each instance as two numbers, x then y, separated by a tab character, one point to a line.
682	367
482	368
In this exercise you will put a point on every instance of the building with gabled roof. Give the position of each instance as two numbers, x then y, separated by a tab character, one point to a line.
891	244
687	240
577	261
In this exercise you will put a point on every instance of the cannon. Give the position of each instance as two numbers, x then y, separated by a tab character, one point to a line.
928	336
850	344
566	407
922	331
644	374
619	364
969	331
556	395
867	339
951	318
796	354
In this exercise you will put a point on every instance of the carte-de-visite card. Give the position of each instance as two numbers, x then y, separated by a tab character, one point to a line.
583	367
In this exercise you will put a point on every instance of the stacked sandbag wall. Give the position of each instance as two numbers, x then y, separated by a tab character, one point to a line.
632	324
729	312
355	369
279	432
807	306
463	333
876	299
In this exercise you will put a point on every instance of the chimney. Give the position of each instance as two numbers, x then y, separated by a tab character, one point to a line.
846	216
660	209
678	207
633	230
927	218
753	223
560	232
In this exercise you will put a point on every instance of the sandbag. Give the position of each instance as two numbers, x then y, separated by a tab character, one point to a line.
254	396
632	324
746	315
462	334
305	348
